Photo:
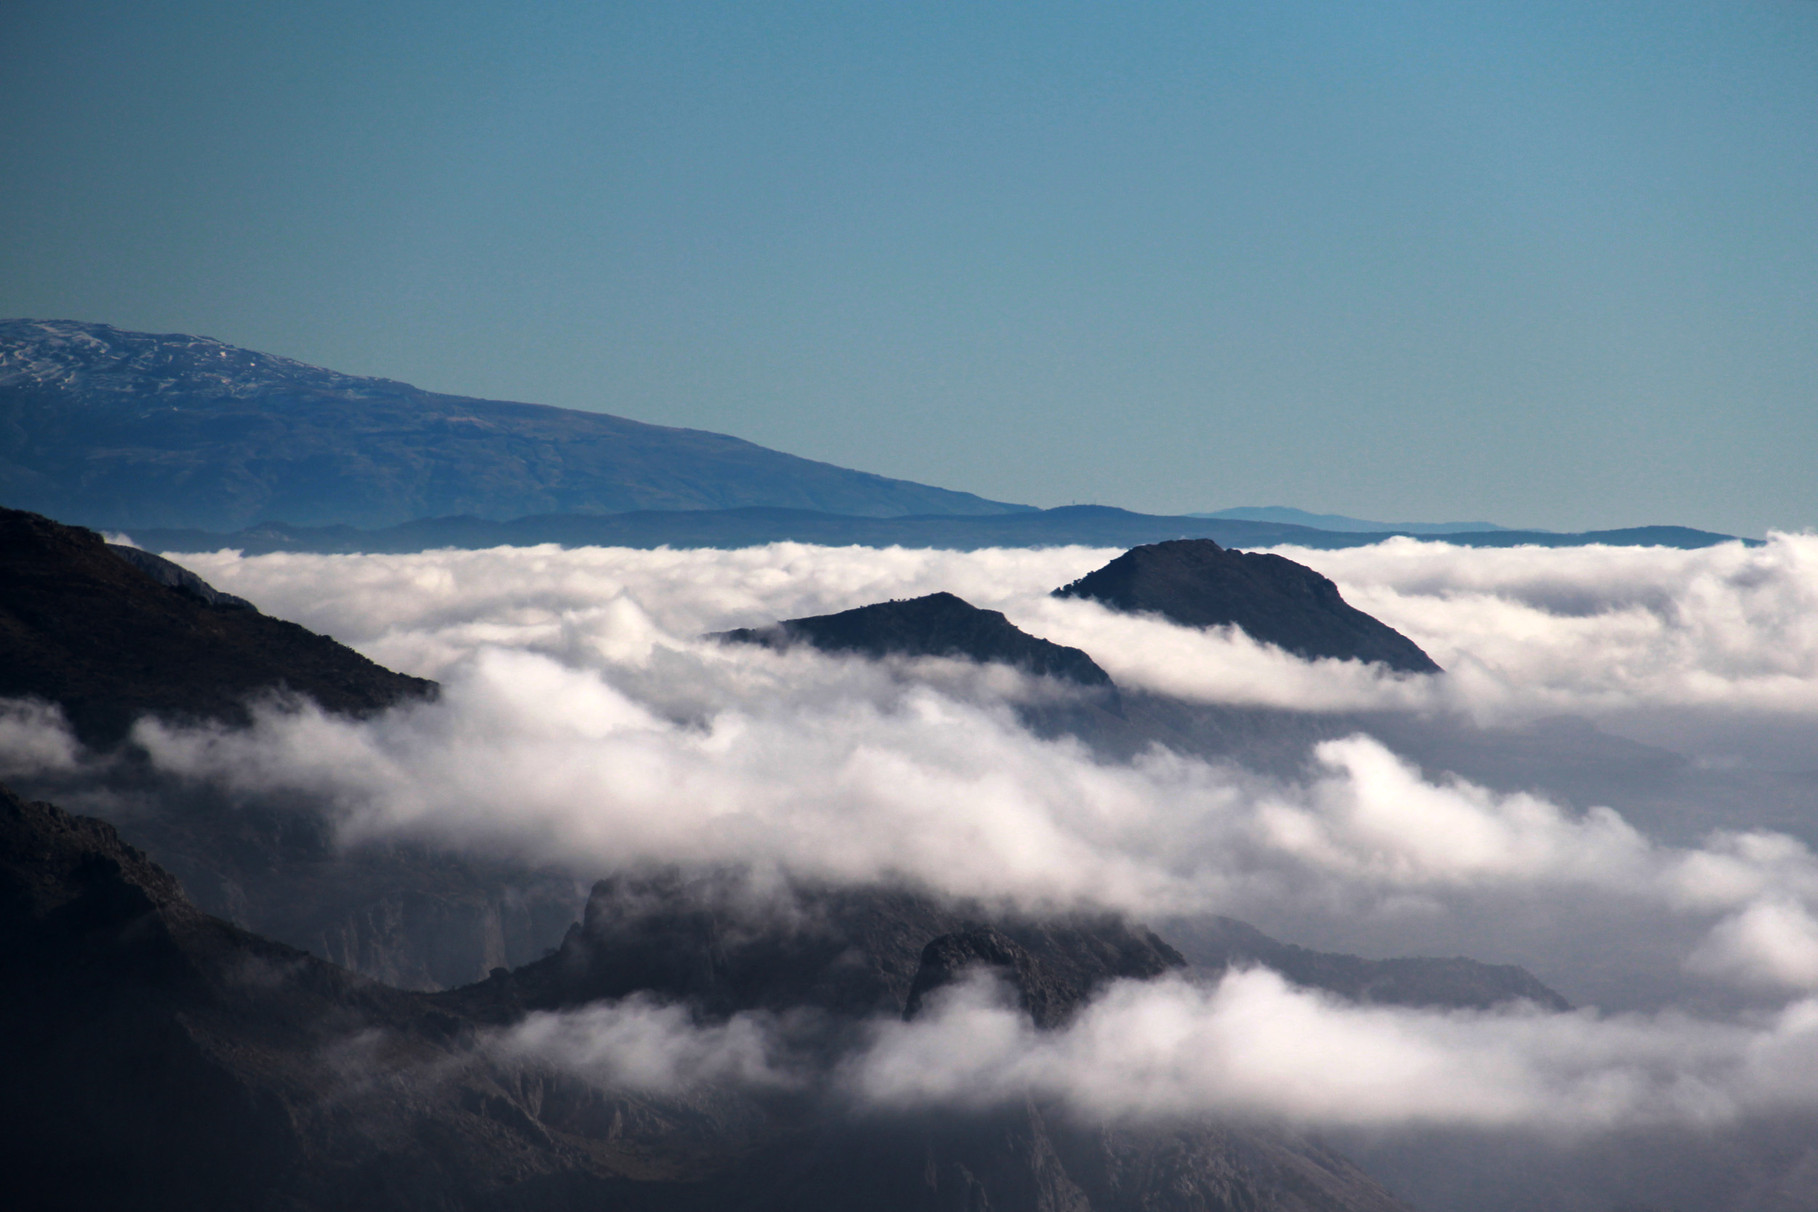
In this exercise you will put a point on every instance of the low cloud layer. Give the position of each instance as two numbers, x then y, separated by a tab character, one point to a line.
1522	632
643	1046
1247	1045
881	778
1252	1045
585	721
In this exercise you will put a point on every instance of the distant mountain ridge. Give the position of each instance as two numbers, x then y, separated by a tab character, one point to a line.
1070	525
122	429
1339	522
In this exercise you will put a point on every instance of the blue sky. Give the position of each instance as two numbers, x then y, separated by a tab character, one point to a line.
1546	264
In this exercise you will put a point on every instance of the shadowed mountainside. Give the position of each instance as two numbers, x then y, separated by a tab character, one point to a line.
82	627
124	429
108	634
713	941
1197	583
159	1058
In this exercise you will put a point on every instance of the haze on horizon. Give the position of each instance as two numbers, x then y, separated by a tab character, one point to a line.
1545	264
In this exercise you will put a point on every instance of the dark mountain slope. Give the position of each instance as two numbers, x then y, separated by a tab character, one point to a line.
158	1058
854	952
82	627
935	625
1197	583
123	429
1083	525
110	634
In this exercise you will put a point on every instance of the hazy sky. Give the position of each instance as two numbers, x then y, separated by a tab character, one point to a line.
1548	264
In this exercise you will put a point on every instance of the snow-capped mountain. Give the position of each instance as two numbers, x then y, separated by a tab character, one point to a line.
119	429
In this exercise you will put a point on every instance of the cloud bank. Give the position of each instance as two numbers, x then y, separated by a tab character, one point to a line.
1247	1045
585	721
1522	632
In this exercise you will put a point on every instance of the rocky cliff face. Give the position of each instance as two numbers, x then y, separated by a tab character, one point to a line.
1197	583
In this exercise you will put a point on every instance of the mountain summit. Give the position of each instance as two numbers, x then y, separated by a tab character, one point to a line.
1197	583
935	625
123	429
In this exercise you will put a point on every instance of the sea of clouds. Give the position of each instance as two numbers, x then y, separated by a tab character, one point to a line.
585	720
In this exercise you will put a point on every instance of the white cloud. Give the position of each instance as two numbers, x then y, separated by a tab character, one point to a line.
1248	1045
585	721
643	1045
1252	1045
35	739
1522	632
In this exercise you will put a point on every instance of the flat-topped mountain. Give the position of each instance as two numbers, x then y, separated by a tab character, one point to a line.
1197	583
88	627
122	429
935	625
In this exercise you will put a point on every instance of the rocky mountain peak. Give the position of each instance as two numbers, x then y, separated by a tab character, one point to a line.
1197	583
935	625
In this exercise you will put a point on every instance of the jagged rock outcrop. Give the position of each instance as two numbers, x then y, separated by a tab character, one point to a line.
86	629
935	625
721	944
158	1058
1067	964
1197	583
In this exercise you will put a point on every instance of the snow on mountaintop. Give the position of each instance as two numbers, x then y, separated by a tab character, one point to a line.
77	356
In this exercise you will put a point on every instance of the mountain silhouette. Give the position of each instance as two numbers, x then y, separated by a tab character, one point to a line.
1197	583
935	625
87	627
